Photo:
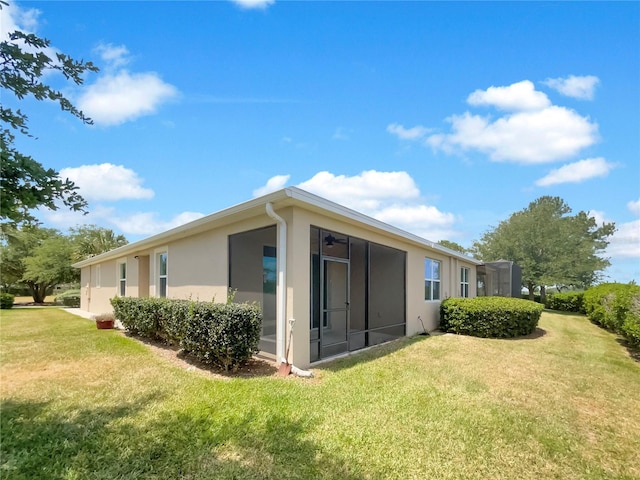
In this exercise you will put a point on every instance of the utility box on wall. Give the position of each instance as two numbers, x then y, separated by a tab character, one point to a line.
500	279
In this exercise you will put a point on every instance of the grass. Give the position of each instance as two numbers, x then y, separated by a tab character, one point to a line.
82	403
29	299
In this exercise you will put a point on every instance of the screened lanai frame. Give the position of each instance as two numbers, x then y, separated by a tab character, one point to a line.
252	277
375	287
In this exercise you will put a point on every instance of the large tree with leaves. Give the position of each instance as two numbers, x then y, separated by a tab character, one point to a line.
26	184
552	246
453	246
91	240
39	258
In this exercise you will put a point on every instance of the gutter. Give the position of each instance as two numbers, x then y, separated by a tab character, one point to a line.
282	284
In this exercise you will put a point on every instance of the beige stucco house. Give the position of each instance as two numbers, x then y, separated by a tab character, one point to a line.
345	281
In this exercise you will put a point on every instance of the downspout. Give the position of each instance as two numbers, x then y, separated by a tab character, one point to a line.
281	285
281	292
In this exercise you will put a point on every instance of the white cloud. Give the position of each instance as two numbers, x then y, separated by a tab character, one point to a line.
625	242
114	55
148	223
250	4
423	220
391	197
117	98
529	137
515	97
364	192
577	172
413	133
107	182
65	218
140	224
582	88
273	184
14	18
634	207
27	21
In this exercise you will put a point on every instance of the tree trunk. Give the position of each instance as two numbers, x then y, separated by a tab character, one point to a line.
38	291
543	294
531	287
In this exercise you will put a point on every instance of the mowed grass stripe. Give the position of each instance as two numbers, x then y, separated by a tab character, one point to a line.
82	403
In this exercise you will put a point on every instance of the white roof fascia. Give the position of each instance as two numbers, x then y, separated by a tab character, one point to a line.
328	205
279	198
179	231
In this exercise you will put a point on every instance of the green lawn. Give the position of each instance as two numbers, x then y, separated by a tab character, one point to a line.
82	403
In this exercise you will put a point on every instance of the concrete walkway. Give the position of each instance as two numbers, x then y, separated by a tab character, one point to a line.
90	316
79	313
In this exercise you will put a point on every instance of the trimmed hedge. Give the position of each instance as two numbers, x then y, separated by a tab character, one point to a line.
489	317
566	302
225	335
70	298
616	307
6	301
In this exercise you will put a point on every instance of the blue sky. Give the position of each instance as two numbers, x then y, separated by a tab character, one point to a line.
439	118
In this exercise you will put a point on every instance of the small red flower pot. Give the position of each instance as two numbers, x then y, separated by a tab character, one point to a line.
104	324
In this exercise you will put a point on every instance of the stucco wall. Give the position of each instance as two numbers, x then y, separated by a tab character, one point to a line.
198	268
300	221
98	286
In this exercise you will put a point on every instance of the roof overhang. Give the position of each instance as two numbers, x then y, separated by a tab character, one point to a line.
291	196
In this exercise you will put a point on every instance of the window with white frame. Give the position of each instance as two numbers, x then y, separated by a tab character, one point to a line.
432	270
464	282
122	278
162	274
98	276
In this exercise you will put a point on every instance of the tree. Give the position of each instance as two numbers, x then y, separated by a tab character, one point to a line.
90	240
551	246
453	246
49	265
25	183
39	258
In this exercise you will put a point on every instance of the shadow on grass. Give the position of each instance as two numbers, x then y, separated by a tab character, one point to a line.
43	440
632	350
537	333
360	357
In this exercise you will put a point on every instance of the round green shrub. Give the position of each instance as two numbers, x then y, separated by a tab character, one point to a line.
6	301
70	298
566	302
489	317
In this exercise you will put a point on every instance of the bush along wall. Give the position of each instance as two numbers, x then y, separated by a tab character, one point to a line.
489	317
224	335
616	307
566	302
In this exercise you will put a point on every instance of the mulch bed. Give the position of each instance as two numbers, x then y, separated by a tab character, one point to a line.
256	367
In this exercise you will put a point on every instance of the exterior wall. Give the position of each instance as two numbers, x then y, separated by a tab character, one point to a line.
198	268
98	284
298	275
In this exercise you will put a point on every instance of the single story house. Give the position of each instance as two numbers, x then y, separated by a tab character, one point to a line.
343	280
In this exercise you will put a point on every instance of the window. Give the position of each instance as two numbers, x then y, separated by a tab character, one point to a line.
122	283
162	274
431	279
97	276
464	282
